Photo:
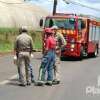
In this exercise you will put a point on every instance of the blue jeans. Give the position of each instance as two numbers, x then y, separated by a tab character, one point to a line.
31	72
47	63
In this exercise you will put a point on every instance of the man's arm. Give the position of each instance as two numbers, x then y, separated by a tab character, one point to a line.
31	45
15	51
47	45
62	39
15	47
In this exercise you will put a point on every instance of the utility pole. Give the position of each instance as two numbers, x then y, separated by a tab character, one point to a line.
54	7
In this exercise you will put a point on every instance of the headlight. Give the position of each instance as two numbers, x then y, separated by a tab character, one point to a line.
72	45
72	49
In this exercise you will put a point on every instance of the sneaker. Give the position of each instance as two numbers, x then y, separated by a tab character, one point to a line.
39	83
33	81
49	83
23	85
54	82
28	83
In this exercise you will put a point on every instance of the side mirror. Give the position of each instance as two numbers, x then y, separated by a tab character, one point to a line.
41	23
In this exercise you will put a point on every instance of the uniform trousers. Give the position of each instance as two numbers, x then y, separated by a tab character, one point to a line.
24	67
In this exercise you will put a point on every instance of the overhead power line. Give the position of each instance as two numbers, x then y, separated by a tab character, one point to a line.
80	4
66	1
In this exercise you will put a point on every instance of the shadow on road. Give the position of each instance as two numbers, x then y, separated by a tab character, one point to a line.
13	82
77	59
70	59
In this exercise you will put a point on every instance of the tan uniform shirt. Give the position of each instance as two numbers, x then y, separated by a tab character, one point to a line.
23	43
60	42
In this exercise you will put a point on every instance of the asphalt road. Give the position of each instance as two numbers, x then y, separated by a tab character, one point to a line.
77	77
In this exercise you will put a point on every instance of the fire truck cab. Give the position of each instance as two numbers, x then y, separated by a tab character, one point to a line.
81	33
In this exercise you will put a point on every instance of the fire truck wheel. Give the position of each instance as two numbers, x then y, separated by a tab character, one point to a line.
81	53
62	58
95	54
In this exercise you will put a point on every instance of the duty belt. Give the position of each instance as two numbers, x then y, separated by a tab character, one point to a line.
25	50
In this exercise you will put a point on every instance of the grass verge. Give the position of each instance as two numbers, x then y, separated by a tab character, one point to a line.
8	35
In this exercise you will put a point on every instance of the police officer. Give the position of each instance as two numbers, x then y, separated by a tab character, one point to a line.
60	42
23	49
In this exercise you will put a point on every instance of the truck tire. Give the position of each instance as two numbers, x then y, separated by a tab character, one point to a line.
81	53
95	54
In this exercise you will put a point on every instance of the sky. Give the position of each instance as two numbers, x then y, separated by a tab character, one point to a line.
71	8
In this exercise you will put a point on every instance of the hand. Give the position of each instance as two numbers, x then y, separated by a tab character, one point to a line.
15	59
32	56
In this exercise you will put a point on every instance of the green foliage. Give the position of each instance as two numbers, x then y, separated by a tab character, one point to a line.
8	30
8	35
38	40
5	47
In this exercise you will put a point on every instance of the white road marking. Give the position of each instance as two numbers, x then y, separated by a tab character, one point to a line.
7	81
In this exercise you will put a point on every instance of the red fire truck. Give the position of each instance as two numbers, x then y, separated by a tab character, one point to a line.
82	34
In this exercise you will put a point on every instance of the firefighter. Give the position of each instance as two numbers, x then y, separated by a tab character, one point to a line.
48	59
60	43
22	51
